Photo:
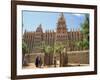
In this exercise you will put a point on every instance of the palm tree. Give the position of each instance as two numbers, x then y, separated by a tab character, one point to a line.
58	48
48	50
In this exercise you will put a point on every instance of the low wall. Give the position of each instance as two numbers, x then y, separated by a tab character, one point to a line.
74	57
32	57
80	57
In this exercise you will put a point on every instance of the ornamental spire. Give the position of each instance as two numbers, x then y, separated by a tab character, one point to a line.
62	15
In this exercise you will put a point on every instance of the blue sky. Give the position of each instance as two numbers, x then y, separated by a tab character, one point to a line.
32	19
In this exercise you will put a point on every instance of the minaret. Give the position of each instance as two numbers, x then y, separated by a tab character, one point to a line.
61	24
39	29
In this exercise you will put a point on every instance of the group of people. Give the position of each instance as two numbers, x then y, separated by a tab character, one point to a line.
38	62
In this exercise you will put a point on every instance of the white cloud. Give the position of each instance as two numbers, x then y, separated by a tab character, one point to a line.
78	15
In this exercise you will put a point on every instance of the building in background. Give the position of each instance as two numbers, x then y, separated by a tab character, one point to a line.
38	38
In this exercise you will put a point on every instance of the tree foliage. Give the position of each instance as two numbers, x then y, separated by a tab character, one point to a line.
47	49
24	47
58	47
85	32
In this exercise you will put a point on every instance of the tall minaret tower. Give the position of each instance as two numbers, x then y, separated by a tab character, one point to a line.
61	24
61	31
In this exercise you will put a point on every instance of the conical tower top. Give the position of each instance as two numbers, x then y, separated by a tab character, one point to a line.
62	15
39	29
61	18
61	24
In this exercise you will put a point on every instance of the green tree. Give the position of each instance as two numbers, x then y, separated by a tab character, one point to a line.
85	31
84	43
24	51
79	45
85	26
58	49
48	50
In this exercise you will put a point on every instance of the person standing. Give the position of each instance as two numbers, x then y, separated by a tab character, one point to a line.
38	62
55	61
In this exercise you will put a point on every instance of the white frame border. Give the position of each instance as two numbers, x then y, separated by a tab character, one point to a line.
21	71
